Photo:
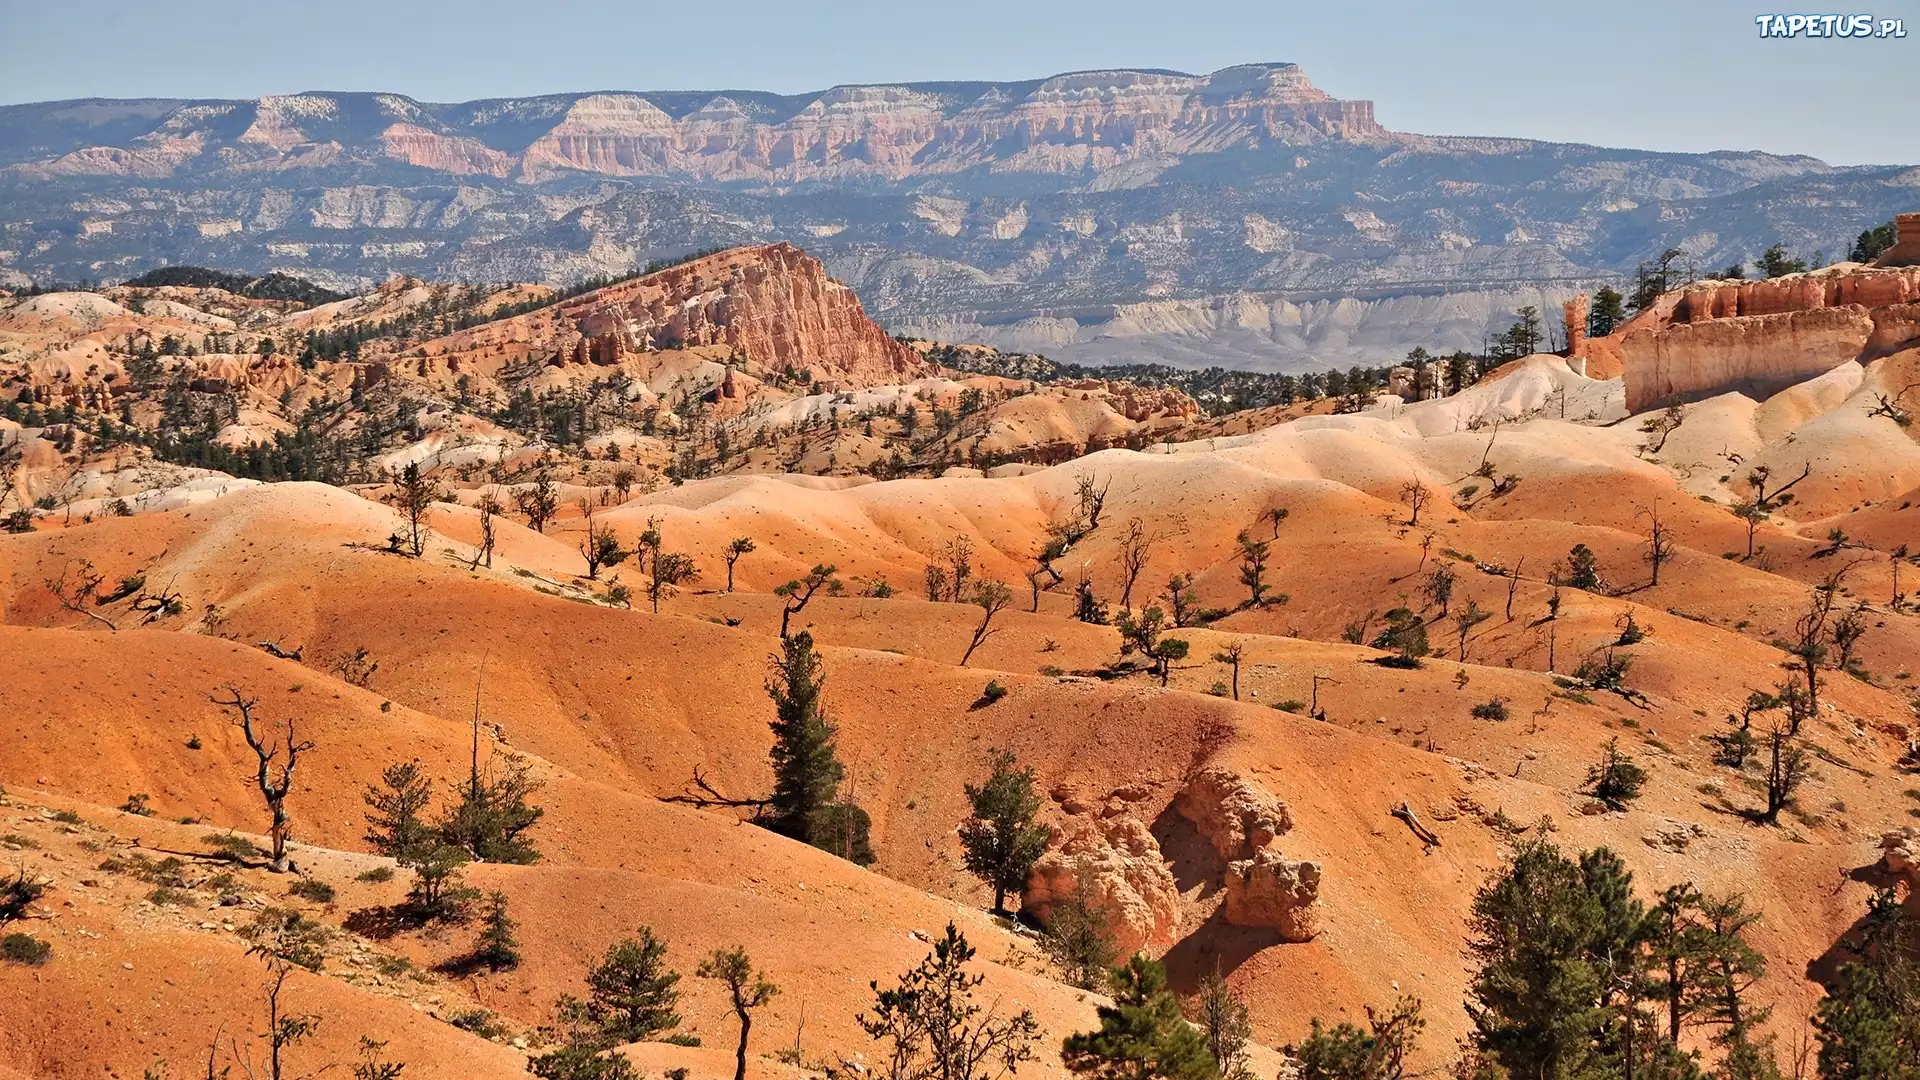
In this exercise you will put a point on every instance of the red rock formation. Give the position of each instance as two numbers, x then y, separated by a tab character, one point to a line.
1906	244
1575	313
774	307
1760	337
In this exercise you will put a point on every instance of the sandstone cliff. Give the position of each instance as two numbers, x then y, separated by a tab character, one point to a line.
1760	337
774	308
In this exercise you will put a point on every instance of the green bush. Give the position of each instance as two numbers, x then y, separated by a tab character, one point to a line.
1491	710
312	889
24	949
375	875
682	1038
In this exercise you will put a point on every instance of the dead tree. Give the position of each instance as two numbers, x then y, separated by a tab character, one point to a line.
81	594
273	649
1136	547
1889	407
1416	496
1513	585
490	508
275	776
1659	541
1763	503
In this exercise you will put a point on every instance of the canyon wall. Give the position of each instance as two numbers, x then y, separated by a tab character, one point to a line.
1760	337
1066	124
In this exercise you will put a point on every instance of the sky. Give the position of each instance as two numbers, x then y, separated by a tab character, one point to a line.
1652	74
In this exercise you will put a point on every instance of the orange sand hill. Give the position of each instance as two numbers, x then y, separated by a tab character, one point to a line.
618	707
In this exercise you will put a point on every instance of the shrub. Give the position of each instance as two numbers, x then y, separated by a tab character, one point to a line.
167	896
312	889
375	875
682	1038
1291	705
137	804
24	949
1491	710
1616	780
994	692
232	847
18	893
68	817
478	1022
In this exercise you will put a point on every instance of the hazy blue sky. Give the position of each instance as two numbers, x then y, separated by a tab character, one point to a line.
1658	74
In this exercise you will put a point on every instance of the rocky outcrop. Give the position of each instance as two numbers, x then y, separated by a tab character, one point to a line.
1900	853
1235	816
774	306
1242	821
1760	337
1906	242
1271	890
770	309
1574	311
1116	861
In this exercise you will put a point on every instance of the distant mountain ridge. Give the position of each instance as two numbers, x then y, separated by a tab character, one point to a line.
1243	217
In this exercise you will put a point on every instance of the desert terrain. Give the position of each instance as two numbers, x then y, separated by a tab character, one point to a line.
371	518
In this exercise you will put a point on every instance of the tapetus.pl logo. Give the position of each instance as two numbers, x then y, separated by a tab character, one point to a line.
1830	26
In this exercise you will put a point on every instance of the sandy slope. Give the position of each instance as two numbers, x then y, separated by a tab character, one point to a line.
619	707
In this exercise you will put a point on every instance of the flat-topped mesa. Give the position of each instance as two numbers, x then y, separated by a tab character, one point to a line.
1085	120
774	306
1760	337
1082	121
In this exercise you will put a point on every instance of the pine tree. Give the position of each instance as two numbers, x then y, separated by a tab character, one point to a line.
1535	1001
496	948
1001	841
1869	1023
631	991
1608	311
1142	1035
807	772
396	825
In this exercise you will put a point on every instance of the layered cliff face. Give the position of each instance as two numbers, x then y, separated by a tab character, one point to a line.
773	308
1069	123
1760	337
1243	218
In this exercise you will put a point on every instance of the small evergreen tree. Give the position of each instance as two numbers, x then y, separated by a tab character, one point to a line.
1583	570
1535	1001
806	767
936	1030
1615	780
496	948
747	990
413	495
1000	840
1406	636
1345	1052
1075	939
1608	311
1142	1035
631	993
